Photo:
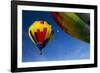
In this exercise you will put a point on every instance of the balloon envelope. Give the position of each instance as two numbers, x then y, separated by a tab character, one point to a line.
40	32
76	24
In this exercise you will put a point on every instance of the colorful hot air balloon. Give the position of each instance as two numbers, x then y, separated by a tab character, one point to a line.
76	24
40	32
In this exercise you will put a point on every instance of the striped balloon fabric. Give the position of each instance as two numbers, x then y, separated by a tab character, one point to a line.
76	24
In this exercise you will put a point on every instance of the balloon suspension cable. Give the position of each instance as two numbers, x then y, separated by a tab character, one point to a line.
40	52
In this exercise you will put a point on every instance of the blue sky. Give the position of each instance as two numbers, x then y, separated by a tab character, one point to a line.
61	47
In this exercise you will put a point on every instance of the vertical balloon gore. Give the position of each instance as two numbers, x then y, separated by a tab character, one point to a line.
40	32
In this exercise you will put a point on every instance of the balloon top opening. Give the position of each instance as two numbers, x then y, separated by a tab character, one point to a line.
42	21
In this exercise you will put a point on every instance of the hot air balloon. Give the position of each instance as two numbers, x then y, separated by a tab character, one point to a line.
40	32
76	24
